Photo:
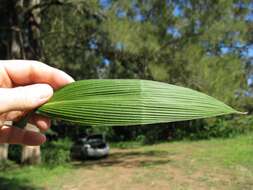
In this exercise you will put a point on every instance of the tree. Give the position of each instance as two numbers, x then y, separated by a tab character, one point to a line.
193	43
198	44
20	40
190	43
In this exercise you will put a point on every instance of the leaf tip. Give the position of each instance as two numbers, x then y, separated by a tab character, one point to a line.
242	113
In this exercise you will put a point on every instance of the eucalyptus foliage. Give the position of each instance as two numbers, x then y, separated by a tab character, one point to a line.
130	102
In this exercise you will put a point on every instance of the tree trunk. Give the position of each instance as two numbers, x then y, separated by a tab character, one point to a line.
23	43
24	24
3	152
4	147
31	154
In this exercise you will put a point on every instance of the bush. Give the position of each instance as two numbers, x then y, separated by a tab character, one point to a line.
141	139
151	135
14	152
56	152
219	127
7	165
222	127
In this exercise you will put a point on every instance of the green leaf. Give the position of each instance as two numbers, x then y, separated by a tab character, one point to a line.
130	102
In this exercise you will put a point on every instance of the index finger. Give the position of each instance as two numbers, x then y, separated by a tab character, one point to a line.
24	72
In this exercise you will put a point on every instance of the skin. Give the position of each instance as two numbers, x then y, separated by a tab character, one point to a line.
24	86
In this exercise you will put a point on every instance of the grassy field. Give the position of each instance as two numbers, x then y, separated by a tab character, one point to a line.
210	164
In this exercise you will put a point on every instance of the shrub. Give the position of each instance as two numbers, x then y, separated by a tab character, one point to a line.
14	152
219	127
7	165
222	127
56	152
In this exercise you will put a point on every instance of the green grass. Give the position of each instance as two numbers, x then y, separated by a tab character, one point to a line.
31	177
207	164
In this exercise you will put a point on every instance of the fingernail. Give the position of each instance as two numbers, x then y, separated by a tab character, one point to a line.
67	77
45	91
43	138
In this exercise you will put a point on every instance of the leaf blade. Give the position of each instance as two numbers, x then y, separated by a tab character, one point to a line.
130	102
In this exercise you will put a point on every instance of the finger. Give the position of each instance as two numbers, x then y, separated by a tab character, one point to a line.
24	72
42	122
24	98
13	135
12	116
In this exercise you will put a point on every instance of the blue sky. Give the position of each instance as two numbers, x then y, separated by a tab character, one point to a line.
250	51
176	33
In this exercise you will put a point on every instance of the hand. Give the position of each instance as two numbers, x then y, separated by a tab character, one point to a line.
25	85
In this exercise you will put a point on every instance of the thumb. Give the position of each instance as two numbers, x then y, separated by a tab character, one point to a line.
24	98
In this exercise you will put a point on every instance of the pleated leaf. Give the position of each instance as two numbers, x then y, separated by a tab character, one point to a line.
130	102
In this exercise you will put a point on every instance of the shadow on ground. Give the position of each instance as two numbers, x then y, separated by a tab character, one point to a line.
130	159
16	184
